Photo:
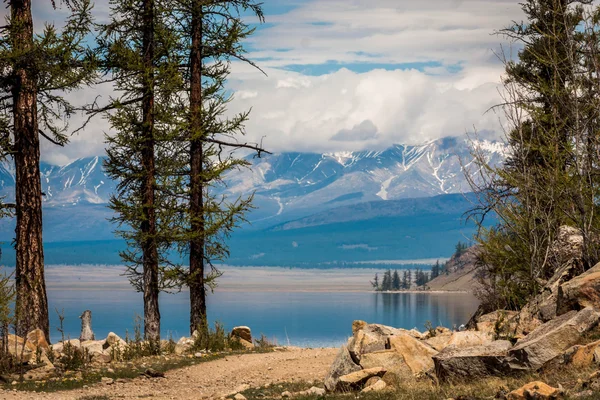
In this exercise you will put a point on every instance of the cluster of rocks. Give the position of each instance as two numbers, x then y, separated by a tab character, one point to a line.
39	360
501	343
34	354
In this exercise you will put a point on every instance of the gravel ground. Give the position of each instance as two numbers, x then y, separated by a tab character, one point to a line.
210	380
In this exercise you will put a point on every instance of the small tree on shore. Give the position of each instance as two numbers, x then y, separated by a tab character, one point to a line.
375	282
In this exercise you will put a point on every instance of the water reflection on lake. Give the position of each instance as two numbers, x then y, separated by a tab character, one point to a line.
309	319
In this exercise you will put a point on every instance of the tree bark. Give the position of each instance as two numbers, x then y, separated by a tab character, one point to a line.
32	303
148	228
197	259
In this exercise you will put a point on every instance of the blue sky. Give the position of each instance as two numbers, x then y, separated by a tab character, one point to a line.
411	71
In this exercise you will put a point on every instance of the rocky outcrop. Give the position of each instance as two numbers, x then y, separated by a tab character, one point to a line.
580	292
552	338
459	273
398	352
454	363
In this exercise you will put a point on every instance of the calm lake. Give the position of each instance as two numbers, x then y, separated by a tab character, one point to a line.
303	308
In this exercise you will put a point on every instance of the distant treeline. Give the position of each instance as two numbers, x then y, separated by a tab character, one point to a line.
393	281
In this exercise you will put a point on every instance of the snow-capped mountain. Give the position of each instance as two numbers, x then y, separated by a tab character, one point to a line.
82	181
297	183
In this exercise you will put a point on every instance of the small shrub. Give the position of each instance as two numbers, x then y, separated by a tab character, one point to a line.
169	348
430	329
263	343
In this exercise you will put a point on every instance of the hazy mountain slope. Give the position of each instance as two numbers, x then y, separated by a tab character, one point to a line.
377	231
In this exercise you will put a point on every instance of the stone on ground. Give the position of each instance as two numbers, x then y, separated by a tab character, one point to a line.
113	340
313	391
454	363
242	332
342	365
535	390
356	380
376	387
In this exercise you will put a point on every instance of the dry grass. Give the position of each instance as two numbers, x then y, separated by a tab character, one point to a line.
425	389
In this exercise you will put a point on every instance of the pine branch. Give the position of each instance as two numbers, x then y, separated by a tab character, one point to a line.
48	138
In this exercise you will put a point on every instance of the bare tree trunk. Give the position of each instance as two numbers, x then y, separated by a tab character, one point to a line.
149	239
196	284
32	304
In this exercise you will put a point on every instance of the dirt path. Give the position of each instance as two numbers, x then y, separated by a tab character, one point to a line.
211	380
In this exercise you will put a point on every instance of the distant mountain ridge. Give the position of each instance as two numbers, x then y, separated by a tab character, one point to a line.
292	185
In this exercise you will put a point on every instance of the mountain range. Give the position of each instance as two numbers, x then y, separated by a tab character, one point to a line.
293	192
296	183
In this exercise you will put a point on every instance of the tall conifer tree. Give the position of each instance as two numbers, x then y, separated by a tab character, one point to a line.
36	70
140	58
210	35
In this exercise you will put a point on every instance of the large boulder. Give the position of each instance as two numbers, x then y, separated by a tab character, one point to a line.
459	339
580	292
21	349
342	365
417	355
242	332
454	363
37	338
367	340
552	338
391	360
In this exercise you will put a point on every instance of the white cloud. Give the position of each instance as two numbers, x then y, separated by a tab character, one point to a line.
405	106
450	41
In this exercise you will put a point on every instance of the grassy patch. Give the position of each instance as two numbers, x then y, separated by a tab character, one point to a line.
424	389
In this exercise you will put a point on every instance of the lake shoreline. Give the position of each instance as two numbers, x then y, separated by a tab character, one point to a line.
234	279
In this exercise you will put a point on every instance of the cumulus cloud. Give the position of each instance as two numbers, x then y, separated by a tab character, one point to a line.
428	69
303	113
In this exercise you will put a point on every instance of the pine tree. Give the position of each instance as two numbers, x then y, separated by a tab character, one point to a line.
396	281
435	270
375	282
405	280
36	71
210	34
387	281
139	56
